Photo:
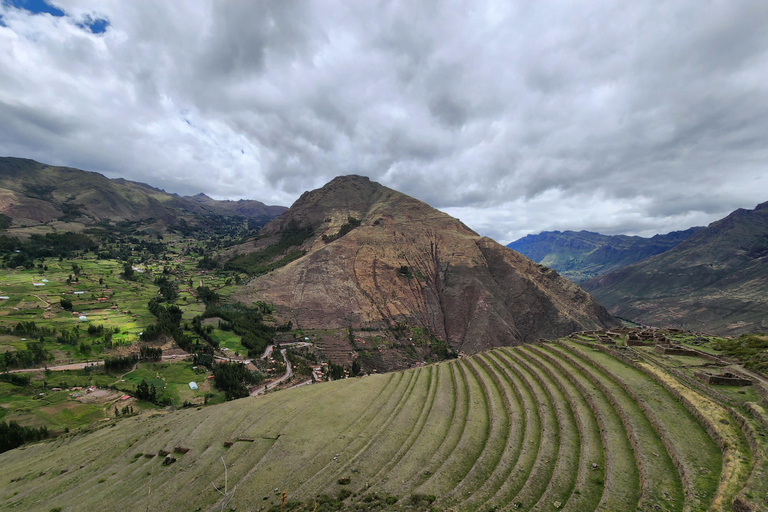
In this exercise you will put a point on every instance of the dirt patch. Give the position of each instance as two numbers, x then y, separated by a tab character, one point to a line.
100	396
55	409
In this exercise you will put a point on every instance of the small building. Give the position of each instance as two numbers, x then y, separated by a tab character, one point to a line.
83	318
125	397
38	284
192	385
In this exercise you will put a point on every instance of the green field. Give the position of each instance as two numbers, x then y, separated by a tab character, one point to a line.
25	404
555	426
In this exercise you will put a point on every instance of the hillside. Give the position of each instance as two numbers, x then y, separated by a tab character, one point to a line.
713	281
582	255
360	254
34	194
555	426
243	207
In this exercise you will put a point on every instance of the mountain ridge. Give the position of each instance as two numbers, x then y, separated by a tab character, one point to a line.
713	281
33	193
581	255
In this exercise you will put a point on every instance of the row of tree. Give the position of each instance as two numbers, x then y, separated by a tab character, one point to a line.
234	379
13	435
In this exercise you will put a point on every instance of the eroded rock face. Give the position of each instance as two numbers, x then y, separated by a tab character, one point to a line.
408	262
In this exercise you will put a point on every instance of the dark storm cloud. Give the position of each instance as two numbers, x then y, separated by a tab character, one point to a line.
515	116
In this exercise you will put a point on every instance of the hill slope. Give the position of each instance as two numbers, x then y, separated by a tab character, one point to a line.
407	262
582	255
714	281
561	426
32	193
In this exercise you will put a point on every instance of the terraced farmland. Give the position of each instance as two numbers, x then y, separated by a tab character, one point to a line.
554	426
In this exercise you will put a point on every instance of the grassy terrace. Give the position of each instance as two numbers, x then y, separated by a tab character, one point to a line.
555	426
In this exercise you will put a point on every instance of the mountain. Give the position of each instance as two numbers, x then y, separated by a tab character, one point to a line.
582	255
715	281
32	193
366	255
244	207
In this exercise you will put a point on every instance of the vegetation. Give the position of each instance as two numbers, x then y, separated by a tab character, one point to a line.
275	255
13	435
233	379
566	425
248	323
750	349
345	228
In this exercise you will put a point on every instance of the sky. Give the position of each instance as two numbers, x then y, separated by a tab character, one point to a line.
515	116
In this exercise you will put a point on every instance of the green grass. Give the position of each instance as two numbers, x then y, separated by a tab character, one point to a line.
654	461
504	426
696	449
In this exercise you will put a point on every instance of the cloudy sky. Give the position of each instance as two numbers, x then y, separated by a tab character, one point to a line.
515	116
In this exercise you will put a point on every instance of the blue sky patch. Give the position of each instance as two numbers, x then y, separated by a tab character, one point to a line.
96	26
35	6
93	25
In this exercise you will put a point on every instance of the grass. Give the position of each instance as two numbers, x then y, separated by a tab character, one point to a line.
475	487
567	463
695	448
23	404
620	477
584	496
655	464
544	466
515	425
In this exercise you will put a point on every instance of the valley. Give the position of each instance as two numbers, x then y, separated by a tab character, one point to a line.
362	351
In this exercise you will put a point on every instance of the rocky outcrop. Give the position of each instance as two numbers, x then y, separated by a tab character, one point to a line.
407	262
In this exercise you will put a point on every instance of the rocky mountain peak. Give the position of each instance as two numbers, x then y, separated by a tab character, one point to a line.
377	257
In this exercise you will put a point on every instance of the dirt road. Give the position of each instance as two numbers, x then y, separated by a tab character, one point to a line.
288	373
79	366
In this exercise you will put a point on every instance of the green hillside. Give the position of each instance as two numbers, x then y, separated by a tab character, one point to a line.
555	426
38	198
581	255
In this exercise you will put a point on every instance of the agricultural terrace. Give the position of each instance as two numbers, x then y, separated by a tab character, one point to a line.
578	424
68	302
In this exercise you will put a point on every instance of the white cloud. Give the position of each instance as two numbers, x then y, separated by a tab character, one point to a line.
517	117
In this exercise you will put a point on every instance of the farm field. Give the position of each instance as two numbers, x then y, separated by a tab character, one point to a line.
564	425
50	401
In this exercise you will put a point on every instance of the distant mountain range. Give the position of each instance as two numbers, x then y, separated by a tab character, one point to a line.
34	194
582	255
716	280
373	256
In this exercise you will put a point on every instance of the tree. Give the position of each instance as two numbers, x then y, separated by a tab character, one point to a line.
128	274
66	304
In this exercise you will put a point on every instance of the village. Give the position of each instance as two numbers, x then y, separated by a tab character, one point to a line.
62	318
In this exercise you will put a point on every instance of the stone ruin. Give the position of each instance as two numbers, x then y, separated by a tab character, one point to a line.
673	350
723	379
